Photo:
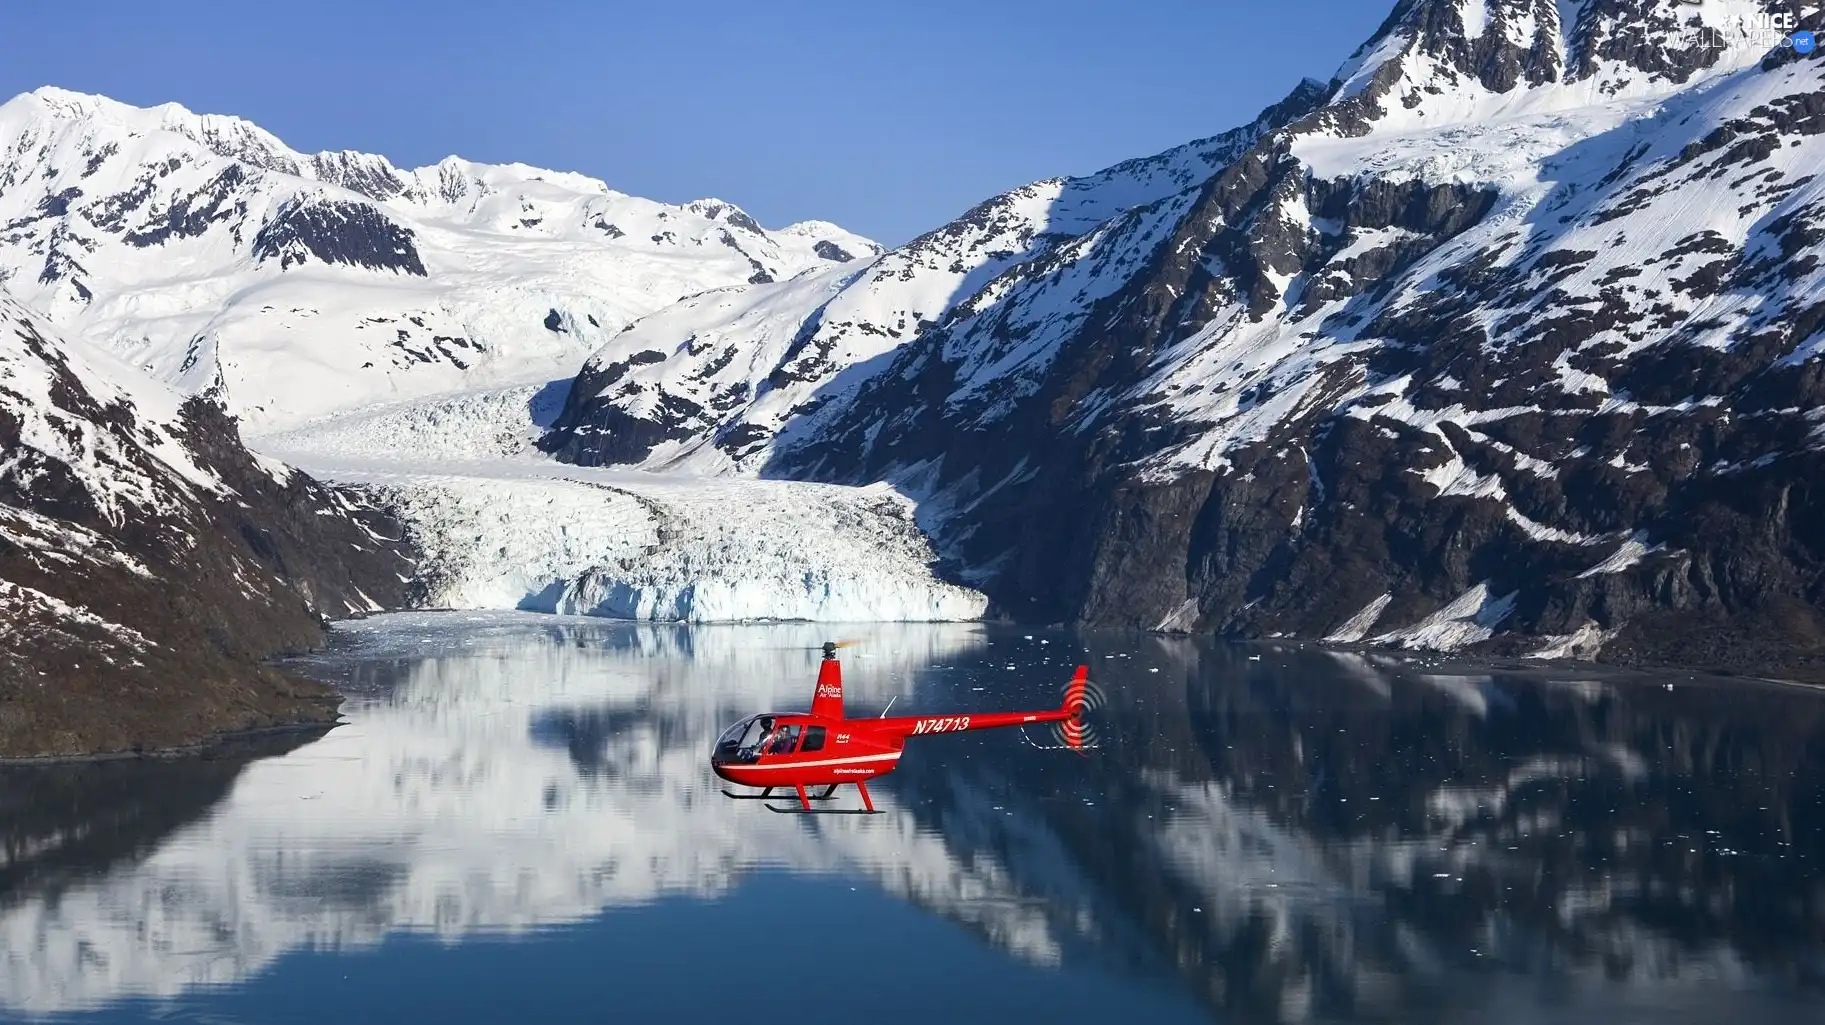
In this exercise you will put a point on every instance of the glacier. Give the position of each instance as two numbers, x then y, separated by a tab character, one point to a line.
502	526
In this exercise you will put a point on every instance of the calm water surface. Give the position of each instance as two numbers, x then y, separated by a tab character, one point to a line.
517	823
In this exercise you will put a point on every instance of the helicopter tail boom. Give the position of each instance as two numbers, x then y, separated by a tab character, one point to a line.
1070	714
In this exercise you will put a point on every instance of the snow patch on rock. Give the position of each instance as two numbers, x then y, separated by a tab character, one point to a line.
1625	556
1357	627
1470	618
1586	643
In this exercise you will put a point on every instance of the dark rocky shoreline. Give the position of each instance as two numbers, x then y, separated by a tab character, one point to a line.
219	745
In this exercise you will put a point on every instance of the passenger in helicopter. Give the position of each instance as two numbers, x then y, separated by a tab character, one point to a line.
784	739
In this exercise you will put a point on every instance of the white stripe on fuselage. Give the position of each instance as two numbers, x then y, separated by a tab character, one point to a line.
821	761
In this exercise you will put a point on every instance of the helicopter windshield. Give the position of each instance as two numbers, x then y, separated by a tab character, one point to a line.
742	741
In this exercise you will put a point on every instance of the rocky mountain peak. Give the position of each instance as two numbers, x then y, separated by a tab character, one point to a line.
727	213
1497	43
1443	60
224	135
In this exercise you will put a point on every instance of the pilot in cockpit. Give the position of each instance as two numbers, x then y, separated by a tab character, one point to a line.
777	742
763	737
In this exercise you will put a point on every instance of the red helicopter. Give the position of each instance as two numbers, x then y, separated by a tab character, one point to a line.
821	748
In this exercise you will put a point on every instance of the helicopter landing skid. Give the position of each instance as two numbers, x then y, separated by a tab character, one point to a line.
804	803
769	795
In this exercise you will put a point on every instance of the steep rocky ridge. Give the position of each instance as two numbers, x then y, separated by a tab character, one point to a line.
149	562
709	382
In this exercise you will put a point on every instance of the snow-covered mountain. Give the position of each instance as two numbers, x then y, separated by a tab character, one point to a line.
1509	335
148	561
708	383
205	250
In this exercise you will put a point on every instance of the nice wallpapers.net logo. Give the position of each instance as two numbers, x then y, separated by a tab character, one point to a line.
1757	32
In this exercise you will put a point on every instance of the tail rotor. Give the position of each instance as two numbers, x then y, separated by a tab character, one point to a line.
1075	733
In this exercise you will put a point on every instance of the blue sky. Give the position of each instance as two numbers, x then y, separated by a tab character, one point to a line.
888	118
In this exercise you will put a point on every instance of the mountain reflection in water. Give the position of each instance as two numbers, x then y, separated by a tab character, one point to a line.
1272	835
